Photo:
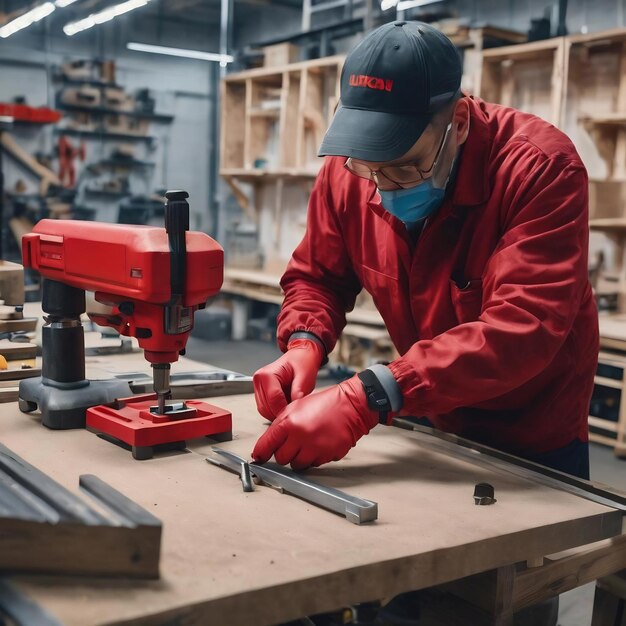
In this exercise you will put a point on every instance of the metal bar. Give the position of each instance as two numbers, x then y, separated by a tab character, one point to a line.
355	510
131	513
21	609
478	453
69	506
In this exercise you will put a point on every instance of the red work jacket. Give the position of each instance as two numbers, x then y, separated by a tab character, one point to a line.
491	310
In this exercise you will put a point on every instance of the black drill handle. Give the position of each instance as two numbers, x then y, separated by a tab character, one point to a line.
176	225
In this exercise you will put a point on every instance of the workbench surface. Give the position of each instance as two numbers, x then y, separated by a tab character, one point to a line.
230	557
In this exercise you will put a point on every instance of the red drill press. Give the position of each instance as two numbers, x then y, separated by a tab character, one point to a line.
154	279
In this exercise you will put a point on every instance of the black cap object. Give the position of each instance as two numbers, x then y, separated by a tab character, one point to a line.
392	83
484	493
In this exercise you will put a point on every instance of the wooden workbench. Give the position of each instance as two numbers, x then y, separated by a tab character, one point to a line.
237	558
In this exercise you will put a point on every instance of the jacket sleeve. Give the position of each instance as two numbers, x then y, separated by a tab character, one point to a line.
533	285
319	283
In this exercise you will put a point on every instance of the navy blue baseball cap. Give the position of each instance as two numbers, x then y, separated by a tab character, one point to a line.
392	83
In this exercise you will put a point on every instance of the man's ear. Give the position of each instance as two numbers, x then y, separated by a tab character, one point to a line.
461	120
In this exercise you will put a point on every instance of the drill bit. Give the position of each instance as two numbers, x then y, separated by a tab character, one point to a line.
161	384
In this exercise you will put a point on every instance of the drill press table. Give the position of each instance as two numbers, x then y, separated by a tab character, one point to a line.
236	558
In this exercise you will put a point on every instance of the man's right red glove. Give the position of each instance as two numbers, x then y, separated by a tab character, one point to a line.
290	377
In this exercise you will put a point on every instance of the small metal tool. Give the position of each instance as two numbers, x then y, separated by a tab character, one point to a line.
355	510
244	471
246	477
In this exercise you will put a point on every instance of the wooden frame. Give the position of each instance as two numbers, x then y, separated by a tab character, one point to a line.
506	71
617	438
285	112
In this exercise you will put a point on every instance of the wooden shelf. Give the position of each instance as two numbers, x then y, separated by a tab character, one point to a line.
598	422
606	36
86	81
102	111
614	224
273	113
258	175
264	72
104	193
605	119
129	164
531	49
259	285
597	180
103	135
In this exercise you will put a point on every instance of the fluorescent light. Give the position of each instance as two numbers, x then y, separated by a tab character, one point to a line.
26	19
103	16
182	52
405	5
64	3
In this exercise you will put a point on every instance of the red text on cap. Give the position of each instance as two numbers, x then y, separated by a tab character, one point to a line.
371	82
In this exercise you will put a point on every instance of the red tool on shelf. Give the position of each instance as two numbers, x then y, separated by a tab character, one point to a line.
25	113
154	279
68	153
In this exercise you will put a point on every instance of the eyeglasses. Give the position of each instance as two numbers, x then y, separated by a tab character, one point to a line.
400	174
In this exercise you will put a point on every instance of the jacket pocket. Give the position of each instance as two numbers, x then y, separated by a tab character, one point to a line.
467	300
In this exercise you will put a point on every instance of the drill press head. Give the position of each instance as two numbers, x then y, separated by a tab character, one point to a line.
153	278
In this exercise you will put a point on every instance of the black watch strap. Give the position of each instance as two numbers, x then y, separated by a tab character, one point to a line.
377	398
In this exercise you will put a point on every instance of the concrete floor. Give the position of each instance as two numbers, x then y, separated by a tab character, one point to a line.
247	356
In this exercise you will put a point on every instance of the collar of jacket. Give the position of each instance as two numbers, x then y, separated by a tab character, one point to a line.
472	182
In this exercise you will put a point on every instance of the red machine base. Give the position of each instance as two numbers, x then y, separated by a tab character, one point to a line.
131	421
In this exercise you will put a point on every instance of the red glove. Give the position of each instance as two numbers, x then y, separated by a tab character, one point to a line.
318	429
290	377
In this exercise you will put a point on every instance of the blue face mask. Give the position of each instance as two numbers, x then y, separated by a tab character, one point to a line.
414	204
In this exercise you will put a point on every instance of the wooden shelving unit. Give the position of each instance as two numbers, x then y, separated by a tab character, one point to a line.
610	429
528	77
274	118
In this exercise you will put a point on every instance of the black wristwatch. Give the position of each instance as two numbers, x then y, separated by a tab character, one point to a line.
377	398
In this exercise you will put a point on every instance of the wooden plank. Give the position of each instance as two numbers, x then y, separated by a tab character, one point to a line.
532	49
27	324
288	120
529	586
29	162
17	350
602	37
11	283
560	66
559	575
265	72
606	441
608	382
232	130
271	173
9	394
603	424
18	372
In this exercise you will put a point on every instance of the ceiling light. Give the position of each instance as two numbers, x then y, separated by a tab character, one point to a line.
103	16
64	3
404	5
26	19
182	52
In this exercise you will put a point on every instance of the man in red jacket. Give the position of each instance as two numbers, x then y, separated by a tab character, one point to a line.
467	223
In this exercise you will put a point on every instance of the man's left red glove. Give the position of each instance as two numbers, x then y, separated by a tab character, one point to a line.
319	428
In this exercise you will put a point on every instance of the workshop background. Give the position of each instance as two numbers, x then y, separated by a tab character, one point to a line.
105	104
